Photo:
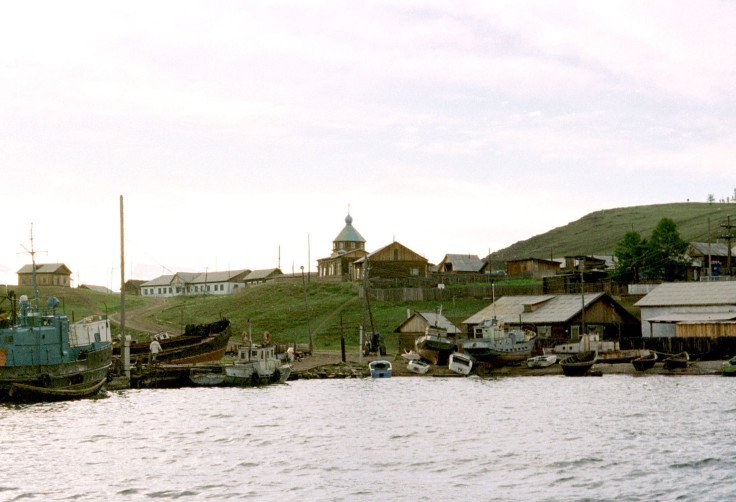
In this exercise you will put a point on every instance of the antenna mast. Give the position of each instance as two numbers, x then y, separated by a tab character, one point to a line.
33	252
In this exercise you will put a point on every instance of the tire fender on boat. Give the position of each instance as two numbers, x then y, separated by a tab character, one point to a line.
45	380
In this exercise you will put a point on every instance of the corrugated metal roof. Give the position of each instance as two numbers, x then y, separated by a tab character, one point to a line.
544	309
694	317
195	277
162	280
437	319
691	293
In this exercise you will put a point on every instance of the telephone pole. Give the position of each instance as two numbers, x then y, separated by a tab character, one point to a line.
728	237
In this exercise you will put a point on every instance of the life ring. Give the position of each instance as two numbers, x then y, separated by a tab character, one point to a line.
266	338
245	338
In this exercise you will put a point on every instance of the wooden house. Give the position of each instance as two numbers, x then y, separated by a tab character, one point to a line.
561	317
347	247
133	286
674	309
460	264
532	267
391	262
709	258
47	274
260	276
416	325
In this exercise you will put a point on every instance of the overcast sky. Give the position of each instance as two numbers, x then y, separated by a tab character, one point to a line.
233	129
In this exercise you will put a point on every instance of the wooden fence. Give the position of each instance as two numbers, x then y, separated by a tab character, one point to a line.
722	347
436	294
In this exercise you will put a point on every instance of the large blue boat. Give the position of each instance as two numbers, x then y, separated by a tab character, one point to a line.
44	356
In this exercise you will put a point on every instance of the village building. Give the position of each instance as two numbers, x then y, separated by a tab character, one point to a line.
686	309
709	258
347	247
416	325
560	317
460	264
532	267
92	287
394	261
133	286
260	276
195	283
47	274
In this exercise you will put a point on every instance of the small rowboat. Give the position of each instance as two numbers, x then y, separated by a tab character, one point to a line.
579	364
541	361
677	361
460	363
418	366
380	369
645	362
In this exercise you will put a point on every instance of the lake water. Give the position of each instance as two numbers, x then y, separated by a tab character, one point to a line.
527	438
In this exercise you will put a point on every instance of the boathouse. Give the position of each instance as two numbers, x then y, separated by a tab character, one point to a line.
687	309
560	317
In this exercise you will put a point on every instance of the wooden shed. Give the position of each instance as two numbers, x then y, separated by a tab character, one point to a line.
532	267
416	325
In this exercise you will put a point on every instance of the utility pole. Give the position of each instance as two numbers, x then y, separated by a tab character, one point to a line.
124	339
306	303
728	237
582	291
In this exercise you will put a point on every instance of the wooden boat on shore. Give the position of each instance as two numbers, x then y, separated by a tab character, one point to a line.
25	392
729	367
380	369
676	361
542	361
579	364
645	362
435	345
460	363
497	345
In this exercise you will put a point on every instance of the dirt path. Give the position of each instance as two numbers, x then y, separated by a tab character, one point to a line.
136	318
333	314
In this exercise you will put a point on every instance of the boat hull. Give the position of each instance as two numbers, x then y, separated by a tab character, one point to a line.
33	393
578	364
92	368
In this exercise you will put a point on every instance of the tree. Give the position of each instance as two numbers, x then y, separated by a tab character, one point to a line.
630	254
665	253
711	198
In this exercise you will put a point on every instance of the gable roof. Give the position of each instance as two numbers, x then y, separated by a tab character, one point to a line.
716	248
462	262
432	319
690	293
196	277
417	256
99	289
262	274
45	268
534	309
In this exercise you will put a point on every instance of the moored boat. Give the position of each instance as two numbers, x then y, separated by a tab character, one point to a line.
255	365
25	392
542	361
460	363
43	350
579	364
380	368
676	361
497	345
435	345
645	362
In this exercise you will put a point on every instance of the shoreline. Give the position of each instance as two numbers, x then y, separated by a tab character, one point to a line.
330	365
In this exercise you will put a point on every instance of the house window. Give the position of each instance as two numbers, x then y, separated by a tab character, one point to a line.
169	290
415	271
352	245
396	255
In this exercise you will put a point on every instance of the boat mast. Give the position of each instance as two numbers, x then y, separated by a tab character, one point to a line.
33	252
124	339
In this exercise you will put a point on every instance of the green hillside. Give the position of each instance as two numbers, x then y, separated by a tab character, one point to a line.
598	232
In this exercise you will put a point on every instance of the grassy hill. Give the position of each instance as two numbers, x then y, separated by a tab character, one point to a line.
598	232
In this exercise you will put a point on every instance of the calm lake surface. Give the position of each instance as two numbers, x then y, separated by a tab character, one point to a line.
527	438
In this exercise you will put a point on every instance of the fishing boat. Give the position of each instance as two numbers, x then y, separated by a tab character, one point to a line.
676	361
380	369
497	345
579	364
435	345
41	349
729	367
542	361
645	362
418	366
461	364
255	365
